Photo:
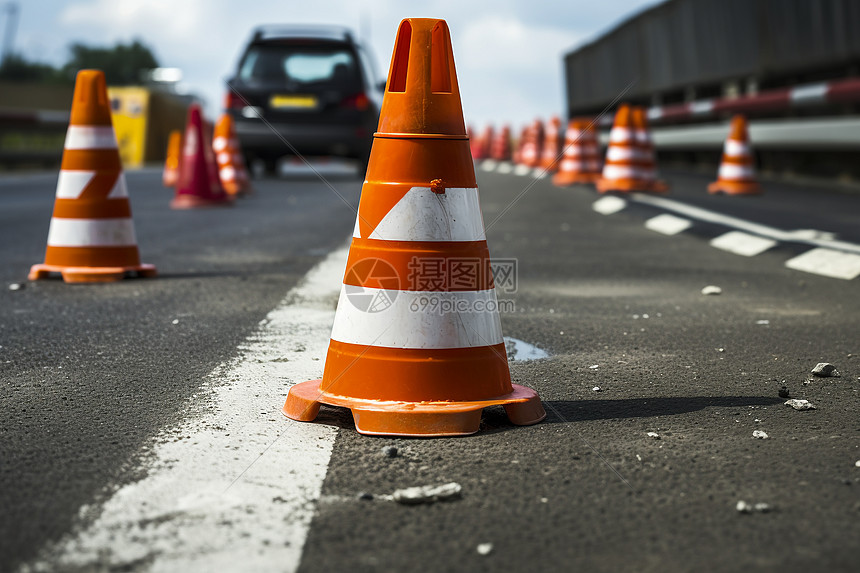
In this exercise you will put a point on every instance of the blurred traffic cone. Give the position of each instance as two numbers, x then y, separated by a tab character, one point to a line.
623	169
198	185
579	164
474	143
591	146
231	165
171	163
551	145
737	171
647	156
404	368
91	238
517	155
500	148
530	154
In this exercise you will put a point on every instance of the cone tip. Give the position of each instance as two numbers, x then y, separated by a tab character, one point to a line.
90	105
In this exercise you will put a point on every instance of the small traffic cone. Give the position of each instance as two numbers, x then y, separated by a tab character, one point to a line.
231	165
171	162
198	185
530	154
623	169
517	155
737	171
91	237
647	154
402	369
500	148
579	163
551	145
591	145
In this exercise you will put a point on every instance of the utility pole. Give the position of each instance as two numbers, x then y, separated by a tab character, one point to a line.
11	9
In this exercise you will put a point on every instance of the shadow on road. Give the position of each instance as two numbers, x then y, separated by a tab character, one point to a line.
563	411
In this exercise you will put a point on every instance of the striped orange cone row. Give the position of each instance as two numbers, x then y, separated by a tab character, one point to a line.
580	163
737	171
647	155
551	145
91	237
626	166
171	163
231	164
416	348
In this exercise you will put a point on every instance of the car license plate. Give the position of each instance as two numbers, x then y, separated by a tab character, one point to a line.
293	102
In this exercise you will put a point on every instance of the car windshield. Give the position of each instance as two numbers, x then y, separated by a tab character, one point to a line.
304	67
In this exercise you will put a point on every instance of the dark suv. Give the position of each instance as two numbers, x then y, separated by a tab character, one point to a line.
315	86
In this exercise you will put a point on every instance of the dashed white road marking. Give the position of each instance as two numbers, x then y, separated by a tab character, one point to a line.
522	170
828	263
609	205
742	244
488	165
668	224
234	487
540	173
504	167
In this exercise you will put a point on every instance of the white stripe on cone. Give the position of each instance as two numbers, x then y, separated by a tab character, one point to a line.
90	137
736	148
72	183
227	173
620	172
417	319
625	154
732	171
220	143
621	135
422	215
572	165
91	233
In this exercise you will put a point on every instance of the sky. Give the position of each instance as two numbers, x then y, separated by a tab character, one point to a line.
508	53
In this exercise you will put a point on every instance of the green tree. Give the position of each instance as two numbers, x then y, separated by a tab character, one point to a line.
123	64
16	68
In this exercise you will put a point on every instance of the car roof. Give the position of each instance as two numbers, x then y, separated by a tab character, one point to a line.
275	32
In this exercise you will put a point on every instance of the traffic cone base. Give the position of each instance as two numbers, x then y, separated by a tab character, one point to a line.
563	179
436	419
91	274
735	187
630	186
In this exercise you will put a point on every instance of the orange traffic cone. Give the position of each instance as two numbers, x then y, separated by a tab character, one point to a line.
91	237
517	155
737	171
198	185
623	170
580	162
500	149
530	153
551	145
171	163
647	156
231	164
403	368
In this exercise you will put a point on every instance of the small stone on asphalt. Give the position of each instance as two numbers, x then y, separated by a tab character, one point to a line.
825	369
712	290
17	286
760	435
364	496
654	435
783	392
485	548
596	389
428	493
800	404
389	451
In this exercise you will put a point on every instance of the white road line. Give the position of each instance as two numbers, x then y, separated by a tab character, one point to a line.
234	487
801	236
609	205
488	165
828	263
540	173
522	170
668	224
742	243
504	167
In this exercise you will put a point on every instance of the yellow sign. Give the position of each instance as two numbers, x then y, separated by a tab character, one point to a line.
130	111
293	101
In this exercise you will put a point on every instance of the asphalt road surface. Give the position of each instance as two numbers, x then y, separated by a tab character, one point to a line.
112	392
